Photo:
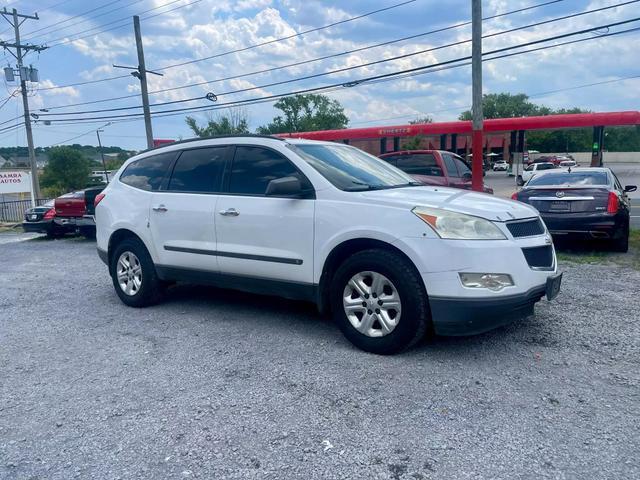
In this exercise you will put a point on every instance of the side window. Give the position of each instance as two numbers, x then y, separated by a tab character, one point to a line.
455	166
198	170
147	173
530	168
392	159
420	164
254	167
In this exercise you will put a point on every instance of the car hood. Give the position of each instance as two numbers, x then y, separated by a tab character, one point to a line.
456	200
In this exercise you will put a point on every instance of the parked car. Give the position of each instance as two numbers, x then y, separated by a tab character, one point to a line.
500	166
327	223
533	169
42	219
434	167
75	210
568	164
582	202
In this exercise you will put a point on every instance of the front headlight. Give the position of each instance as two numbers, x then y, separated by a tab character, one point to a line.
458	226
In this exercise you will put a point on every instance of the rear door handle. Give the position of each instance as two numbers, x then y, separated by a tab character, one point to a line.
229	212
159	208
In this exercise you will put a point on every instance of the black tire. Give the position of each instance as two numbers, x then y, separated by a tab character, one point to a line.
415	317
621	244
88	232
151	289
54	232
519	181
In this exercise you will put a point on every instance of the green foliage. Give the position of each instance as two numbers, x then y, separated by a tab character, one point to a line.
421	120
305	113
505	105
67	170
234	123
413	143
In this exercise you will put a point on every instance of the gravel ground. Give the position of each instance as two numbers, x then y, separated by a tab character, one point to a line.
218	384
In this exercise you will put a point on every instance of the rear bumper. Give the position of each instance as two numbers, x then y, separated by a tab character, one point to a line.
85	221
584	225
37	227
471	316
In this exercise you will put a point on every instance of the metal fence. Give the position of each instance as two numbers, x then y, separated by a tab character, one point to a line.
13	211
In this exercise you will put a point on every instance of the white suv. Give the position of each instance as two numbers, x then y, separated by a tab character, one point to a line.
324	222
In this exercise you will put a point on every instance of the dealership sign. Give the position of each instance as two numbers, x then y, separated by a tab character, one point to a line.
15	181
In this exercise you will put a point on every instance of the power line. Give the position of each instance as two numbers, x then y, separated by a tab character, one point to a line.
88	82
374	79
51	7
71	18
353	67
85	19
346	52
65	39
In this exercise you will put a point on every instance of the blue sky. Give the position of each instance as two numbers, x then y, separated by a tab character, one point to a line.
196	29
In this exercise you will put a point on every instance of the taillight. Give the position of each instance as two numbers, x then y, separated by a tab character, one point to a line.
613	203
514	196
50	214
98	199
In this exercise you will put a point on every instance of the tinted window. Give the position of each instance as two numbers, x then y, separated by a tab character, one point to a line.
573	179
529	168
198	170
420	164
545	166
254	167
147	173
351	169
455	166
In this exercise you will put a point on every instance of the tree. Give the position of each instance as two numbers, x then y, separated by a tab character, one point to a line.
504	105
305	113
235	122
421	120
67	170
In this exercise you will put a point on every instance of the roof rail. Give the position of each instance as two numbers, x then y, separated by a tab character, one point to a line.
212	137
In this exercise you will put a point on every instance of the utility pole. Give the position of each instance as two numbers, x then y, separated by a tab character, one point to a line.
104	165
14	20
141	74
476	81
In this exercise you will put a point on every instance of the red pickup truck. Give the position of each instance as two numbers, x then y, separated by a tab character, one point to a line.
434	167
76	210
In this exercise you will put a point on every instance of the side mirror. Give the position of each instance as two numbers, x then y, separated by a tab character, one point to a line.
285	187
467	176
630	188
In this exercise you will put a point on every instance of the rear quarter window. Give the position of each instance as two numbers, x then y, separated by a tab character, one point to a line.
147	173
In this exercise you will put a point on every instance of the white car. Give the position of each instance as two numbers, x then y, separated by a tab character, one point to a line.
568	164
500	165
324	222
533	169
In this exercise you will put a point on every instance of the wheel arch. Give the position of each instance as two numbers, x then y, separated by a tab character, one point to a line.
339	254
118	236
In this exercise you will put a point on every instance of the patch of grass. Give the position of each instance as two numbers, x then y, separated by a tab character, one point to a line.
586	255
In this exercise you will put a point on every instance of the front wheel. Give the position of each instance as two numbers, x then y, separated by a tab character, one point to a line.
134	275
379	302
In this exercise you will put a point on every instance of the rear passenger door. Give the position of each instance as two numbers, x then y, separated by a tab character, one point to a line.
182	215
260	236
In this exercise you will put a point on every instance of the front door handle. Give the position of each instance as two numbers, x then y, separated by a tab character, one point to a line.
159	208
229	212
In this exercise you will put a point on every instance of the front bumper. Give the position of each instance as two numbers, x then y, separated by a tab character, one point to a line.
471	316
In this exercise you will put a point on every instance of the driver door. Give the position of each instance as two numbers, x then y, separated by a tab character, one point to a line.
264	236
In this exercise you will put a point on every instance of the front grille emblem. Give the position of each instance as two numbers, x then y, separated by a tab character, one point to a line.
559	194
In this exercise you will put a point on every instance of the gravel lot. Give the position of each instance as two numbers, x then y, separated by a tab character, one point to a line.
218	384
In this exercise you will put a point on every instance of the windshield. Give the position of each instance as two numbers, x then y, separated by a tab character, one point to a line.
351	169
573	179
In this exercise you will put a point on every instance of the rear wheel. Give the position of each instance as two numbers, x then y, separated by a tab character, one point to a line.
379	302
621	244
134	275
